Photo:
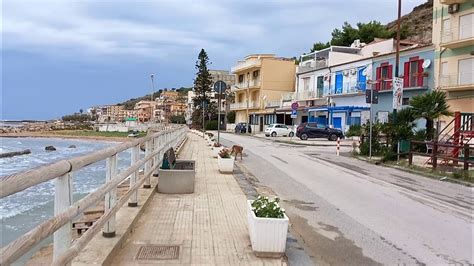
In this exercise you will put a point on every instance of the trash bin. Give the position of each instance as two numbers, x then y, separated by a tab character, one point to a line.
404	146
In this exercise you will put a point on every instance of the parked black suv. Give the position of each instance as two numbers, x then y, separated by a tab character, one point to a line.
314	130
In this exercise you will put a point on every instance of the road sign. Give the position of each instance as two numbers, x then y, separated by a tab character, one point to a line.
220	86
397	92
294	113
294	106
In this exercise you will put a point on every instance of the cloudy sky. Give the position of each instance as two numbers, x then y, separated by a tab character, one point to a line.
61	56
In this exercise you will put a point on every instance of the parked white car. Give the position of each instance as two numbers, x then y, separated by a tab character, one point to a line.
279	130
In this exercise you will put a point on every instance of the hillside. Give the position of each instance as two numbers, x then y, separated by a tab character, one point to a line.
418	23
130	103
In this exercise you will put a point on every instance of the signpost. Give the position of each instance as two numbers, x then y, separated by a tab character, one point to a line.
371	97
220	88
294	115
397	92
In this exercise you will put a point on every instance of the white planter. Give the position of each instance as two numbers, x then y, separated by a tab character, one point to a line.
215	151
267	235
226	165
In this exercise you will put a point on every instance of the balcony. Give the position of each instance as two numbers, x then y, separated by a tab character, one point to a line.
243	105
253	83
460	82
245	65
306	95
311	65
457	37
272	104
450	2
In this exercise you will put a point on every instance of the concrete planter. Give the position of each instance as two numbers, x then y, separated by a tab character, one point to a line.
226	165
215	151
267	235
179	180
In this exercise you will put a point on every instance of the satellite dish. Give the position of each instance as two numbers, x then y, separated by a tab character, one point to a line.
426	64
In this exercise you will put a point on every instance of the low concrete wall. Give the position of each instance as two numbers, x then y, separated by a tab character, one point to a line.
179	180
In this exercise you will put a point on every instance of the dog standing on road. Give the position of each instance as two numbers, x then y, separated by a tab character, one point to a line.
236	149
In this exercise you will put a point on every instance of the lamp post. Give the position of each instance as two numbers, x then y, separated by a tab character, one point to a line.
152	76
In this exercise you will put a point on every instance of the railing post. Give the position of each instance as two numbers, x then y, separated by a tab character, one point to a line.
156	159
111	196
434	159
63	187
410	154
466	159
133	201
148	146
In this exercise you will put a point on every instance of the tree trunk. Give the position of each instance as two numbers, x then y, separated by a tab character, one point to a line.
429	129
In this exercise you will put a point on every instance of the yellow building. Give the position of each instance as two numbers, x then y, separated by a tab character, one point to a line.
261	82
453	36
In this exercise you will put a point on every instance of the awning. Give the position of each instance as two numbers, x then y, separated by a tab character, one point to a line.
339	109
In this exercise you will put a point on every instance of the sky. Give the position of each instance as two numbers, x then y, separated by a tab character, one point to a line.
61	56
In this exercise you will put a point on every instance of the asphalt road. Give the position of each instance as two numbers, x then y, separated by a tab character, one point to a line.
348	211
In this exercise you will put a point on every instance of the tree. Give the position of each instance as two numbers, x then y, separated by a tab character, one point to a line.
231	117
177	119
81	111
320	46
203	80
430	106
344	36
367	32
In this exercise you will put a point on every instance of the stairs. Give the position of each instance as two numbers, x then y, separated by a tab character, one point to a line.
460	131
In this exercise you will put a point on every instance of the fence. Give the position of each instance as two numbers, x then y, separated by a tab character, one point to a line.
444	151
65	210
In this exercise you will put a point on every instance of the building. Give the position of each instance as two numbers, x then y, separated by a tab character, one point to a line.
453	37
110	113
145	110
170	95
262	81
331	83
416	69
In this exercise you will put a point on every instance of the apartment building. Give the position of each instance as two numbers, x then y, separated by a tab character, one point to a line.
145	110
453	37
331	83
262	81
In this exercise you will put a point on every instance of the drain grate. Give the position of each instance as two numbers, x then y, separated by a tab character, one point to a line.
156	252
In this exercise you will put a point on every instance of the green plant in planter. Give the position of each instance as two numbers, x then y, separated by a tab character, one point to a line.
265	208
224	153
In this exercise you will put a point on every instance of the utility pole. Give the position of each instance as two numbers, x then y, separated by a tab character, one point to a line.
397	57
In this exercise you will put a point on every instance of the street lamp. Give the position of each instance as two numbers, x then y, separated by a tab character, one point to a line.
152	93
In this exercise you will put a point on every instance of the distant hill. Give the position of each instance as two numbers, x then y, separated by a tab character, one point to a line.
418	23
130	103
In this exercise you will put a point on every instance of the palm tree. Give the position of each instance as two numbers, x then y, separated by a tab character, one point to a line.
430	106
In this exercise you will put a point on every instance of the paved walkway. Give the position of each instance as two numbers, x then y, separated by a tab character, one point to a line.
209	225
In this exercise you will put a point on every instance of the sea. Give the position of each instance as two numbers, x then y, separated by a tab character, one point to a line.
24	210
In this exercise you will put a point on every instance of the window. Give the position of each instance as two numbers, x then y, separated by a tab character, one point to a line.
306	84
406	101
465	26
466	71
256	73
338	85
384	77
319	86
241	78
413	73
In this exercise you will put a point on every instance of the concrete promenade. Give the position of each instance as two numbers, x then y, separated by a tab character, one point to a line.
209	226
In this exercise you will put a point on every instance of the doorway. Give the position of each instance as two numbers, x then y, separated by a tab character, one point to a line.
261	123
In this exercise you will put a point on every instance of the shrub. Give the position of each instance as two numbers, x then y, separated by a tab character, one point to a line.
177	119
224	153
231	117
354	130
211	125
263	207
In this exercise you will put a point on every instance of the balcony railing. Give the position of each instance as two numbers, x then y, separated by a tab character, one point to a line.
243	105
241	65
303	95
253	83
454	36
273	104
312	65
459	80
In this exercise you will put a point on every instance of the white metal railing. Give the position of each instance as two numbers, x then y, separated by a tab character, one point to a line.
243	105
312	64
456	34
246	64
461	79
65	210
303	95
247	84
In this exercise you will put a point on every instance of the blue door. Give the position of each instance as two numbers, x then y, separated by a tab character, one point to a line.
361	79
338	87
337	122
